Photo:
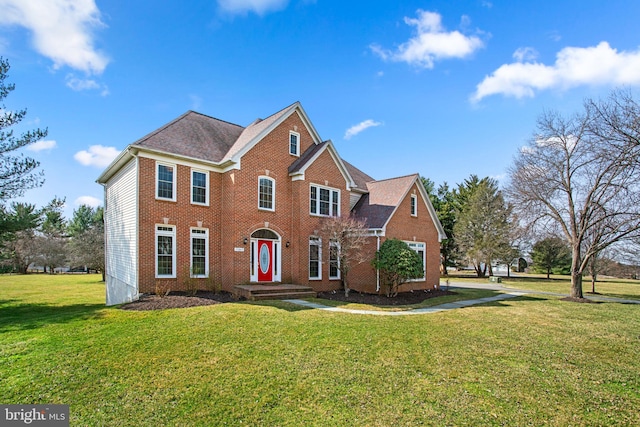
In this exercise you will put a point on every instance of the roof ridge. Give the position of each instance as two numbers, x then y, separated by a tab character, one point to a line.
214	118
276	113
176	120
397	177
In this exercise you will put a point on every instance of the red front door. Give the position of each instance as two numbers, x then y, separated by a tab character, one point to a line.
265	269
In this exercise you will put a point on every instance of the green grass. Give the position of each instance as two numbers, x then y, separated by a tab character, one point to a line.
523	361
609	287
460	295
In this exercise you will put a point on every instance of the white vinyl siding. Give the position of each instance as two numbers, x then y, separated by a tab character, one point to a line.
121	228
353	199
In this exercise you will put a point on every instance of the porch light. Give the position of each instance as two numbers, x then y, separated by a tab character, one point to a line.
287	244
244	241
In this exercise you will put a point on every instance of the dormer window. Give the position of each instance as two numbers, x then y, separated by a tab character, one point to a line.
294	143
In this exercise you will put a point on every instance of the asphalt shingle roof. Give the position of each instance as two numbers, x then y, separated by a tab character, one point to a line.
193	135
376	207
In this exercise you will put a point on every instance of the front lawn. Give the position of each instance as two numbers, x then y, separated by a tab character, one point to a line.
524	361
605	286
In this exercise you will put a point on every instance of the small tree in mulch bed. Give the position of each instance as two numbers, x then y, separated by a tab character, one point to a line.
347	237
397	263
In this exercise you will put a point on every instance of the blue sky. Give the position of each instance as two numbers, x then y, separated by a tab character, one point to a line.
444	89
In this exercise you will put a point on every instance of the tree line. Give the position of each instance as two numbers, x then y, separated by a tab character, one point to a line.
573	190
44	238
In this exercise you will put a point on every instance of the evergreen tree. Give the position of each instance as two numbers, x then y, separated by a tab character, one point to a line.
17	172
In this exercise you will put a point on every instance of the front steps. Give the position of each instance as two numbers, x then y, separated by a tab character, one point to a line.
273	291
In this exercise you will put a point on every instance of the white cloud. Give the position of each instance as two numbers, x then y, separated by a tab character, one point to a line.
86	84
356	129
42	145
574	66
88	200
62	30
259	7
431	42
527	54
97	155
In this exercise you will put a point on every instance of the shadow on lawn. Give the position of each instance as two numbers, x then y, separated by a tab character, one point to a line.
30	316
282	305
505	302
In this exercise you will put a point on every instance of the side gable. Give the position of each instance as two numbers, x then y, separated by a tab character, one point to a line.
298	168
256	131
379	206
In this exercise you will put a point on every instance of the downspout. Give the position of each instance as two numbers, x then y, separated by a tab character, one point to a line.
377	269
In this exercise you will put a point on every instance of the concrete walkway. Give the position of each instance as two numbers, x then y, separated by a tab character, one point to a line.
506	294
499	288
426	310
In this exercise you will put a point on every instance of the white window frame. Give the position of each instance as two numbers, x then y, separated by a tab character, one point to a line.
316	203
417	247
297	135
414	205
333	243
166	231
199	233
315	241
175	179
206	187
273	193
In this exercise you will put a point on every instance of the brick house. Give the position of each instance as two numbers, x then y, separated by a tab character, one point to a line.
225	204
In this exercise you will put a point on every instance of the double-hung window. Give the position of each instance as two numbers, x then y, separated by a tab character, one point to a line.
266	193
199	187
199	252
420	248
165	181
315	255
165	251
414	205
294	143
334	260
324	201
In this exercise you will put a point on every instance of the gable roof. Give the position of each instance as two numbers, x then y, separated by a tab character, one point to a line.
300	165
193	135
260	128
378	206
359	178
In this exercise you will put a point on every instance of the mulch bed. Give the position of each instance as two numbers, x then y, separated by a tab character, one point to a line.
182	300
178	300
403	298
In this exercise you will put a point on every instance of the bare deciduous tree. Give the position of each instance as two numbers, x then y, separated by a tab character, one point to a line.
347	237
582	174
